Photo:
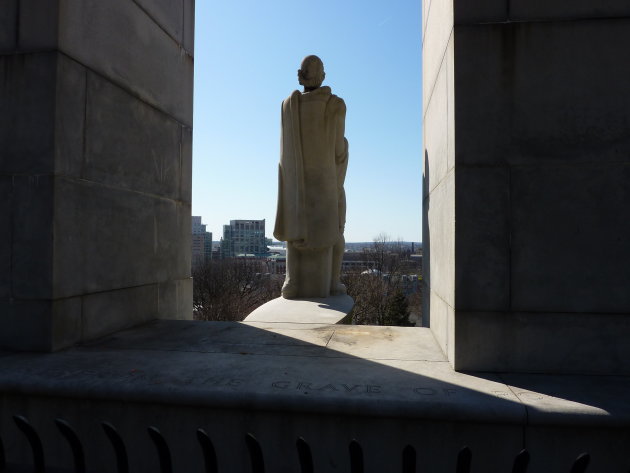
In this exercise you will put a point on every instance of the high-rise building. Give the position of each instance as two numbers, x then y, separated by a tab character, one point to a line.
201	242
244	237
197	227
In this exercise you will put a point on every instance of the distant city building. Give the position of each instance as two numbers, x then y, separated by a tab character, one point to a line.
216	249
207	246
201	242
198	228
277	260
244	237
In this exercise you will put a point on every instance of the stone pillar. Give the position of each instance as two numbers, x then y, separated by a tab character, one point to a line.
95	167
527	184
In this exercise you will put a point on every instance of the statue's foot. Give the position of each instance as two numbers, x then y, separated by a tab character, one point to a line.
337	289
289	291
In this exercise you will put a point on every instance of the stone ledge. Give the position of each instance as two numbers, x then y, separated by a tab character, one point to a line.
386	386
350	370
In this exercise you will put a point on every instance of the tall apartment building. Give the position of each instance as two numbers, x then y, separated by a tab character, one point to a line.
244	237
201	242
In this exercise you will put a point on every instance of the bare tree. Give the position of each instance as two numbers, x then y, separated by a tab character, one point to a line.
370	293
379	291
229	289
385	254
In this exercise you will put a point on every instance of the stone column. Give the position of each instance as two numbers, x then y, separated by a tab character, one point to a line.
527	184
95	167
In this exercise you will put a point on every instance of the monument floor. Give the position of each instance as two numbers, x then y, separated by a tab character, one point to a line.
384	386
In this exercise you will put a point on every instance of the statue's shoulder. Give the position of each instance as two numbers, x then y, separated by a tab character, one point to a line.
286	103
338	103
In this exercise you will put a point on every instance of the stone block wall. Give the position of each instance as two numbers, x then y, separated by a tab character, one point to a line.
536	254
95	167
438	238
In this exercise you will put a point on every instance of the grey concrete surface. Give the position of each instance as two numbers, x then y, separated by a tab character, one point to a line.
549	398
385	343
528	97
104	313
175	299
537	111
484	11
543	342
327	383
482	278
438	173
114	226
559	9
38	31
329	310
26	324
436	138
566	220
176	18
442	322
438	31
189	25
6	189
34	130
240	364
96	141
498	11
70	119
141	57
441	229
8	25
185	186
130	144
32	236
40	325
166	13
426	5
26	123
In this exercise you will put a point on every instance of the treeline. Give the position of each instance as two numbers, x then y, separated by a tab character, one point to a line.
385	292
231	288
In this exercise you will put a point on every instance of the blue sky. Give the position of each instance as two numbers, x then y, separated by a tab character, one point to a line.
247	53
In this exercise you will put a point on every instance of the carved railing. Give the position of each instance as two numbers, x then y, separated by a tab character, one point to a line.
304	462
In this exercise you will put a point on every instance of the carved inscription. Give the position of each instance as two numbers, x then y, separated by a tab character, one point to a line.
327	387
153	378
140	376
351	388
134	375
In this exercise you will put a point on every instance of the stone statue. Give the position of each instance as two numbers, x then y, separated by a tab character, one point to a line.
311	199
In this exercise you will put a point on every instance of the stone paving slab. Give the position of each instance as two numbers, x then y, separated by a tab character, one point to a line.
401	343
572	398
317	368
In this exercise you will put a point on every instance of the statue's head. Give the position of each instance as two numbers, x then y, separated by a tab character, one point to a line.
311	72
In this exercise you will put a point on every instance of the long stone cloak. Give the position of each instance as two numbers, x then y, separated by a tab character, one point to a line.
313	163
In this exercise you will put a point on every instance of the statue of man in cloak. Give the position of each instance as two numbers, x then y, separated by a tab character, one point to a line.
311	199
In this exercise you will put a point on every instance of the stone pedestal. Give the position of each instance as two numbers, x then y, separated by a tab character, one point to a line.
328	310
